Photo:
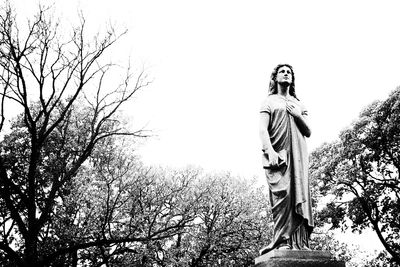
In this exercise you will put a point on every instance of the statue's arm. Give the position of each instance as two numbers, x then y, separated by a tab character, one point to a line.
265	139
299	118
303	125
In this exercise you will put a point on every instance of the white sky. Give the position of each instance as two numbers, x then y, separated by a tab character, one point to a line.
211	61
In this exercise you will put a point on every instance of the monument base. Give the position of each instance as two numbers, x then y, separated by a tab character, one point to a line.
297	258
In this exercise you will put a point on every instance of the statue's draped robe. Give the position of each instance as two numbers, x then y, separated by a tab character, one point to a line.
288	184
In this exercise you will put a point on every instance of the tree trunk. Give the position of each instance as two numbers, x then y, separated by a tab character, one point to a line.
31	253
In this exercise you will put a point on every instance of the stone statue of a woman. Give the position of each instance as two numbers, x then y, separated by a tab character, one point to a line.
283	128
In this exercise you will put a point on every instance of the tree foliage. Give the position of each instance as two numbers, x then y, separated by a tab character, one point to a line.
179	217
233	221
118	212
56	80
117	209
340	251
361	172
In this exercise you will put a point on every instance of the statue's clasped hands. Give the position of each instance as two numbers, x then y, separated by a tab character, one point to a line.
293	109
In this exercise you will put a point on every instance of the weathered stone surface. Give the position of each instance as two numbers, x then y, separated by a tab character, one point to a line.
295	254
301	263
297	258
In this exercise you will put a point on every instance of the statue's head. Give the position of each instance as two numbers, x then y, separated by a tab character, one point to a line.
273	85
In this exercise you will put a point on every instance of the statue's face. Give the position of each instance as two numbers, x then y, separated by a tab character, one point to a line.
284	75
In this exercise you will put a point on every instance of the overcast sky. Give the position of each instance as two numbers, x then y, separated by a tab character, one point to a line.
211	62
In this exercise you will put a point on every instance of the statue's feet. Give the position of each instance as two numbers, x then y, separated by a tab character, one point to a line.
284	247
264	250
304	247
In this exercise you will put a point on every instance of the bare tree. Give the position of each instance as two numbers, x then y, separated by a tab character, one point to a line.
63	89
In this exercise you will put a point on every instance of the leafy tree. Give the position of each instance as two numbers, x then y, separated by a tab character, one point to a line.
382	260
58	84
341	251
128	206
359	174
173	218
232	223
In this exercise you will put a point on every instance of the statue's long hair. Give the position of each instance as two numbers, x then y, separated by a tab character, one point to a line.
273	85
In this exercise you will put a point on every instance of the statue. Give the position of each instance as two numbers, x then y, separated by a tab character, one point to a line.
283	128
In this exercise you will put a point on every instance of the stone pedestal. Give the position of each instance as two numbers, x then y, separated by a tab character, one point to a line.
297	258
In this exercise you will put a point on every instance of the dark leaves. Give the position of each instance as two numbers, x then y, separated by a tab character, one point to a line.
360	172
